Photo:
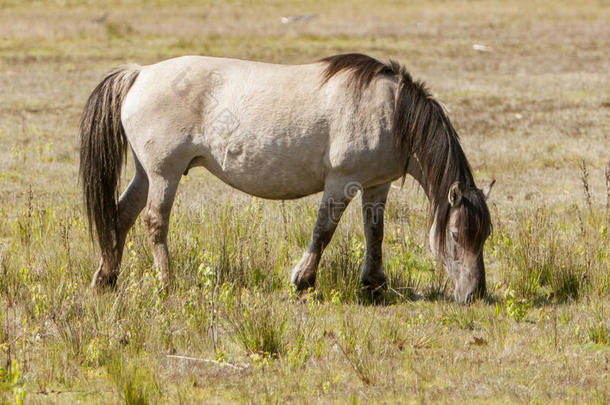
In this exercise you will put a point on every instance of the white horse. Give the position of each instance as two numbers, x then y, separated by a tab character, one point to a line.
342	124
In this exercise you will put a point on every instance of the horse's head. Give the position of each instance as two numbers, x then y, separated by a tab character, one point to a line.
467	226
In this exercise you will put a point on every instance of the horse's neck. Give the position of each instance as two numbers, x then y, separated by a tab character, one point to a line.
415	169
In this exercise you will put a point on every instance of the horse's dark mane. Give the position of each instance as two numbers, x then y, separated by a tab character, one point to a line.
421	128
363	69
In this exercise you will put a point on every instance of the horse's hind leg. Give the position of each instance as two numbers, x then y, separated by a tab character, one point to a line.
131	203
161	193
334	202
373	206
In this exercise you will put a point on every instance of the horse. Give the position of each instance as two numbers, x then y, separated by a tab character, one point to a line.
343	124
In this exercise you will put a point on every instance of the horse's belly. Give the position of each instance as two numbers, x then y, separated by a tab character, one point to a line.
276	189
269	184
269	170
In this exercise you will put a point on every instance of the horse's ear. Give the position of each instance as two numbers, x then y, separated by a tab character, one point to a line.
455	194
487	190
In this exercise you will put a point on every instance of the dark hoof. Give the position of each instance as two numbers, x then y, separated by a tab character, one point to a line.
304	282
304	273
103	279
304	279
375	283
310	295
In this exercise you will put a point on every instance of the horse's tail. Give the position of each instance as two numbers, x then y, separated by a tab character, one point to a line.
102	152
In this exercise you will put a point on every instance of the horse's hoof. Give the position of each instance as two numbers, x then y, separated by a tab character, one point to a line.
304	273
310	295
304	283
102	279
374	284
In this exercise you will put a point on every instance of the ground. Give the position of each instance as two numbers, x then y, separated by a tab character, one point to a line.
526	84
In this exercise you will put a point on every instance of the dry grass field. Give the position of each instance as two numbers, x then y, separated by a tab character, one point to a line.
531	102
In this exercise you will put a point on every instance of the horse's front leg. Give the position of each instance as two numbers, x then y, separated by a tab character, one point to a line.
334	201
373	206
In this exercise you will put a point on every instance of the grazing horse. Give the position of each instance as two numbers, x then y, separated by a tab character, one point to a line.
342	124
